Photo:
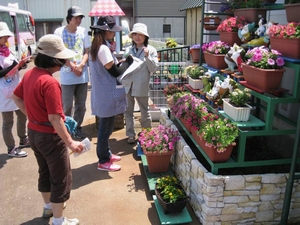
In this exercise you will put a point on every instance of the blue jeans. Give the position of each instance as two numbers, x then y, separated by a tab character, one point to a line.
105	129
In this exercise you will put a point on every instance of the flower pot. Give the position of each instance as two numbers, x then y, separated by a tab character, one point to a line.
174	207
195	54
215	60
211	152
264	79
288	47
292	12
230	38
158	162
251	14
236	113
185	124
155	114
211	22
195	83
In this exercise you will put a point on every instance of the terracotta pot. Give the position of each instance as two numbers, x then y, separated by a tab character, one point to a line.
211	152
251	14
195	53
215	61
264	79
158	162
175	207
211	22
185	124
292	12
288	47
230	38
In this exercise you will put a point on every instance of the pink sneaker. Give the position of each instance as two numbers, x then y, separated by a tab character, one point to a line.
115	158
109	166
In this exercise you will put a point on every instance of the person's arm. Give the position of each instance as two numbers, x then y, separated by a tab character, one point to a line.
20	103
3	72
117	70
59	126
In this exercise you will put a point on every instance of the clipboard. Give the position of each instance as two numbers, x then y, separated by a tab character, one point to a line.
15	69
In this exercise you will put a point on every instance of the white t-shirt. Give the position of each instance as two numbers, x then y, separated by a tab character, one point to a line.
8	85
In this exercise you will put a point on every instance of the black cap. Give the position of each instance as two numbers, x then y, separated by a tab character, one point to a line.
107	23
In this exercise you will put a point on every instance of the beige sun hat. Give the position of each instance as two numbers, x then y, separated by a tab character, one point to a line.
4	31
53	46
139	28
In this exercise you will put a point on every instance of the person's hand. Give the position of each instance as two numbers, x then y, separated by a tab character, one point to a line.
76	146
146	51
76	69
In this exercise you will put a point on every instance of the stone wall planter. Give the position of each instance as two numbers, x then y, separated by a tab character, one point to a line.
236	113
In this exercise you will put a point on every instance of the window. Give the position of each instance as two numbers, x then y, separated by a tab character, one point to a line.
167	28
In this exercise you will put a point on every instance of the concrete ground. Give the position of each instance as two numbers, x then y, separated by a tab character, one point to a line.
97	197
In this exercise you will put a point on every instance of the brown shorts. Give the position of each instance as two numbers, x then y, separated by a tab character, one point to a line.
52	156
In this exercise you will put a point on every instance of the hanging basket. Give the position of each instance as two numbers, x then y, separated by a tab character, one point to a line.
211	22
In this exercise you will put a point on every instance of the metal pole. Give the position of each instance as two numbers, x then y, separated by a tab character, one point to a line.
290	182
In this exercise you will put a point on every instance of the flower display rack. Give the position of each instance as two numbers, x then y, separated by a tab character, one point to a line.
265	104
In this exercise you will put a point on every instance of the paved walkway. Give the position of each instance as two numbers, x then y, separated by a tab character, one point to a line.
97	197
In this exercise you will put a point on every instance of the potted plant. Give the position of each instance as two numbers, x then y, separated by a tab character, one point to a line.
236	106
228	30
214	53
195	72
195	53
251	10
158	144
217	138
171	89
286	39
170	194
263	68
292	8
171	43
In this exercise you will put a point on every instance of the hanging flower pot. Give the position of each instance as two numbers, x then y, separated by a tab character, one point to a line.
211	22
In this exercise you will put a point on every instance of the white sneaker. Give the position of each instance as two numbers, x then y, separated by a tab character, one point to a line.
70	221
17	152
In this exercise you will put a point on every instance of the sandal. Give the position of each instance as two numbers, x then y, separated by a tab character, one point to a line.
131	140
